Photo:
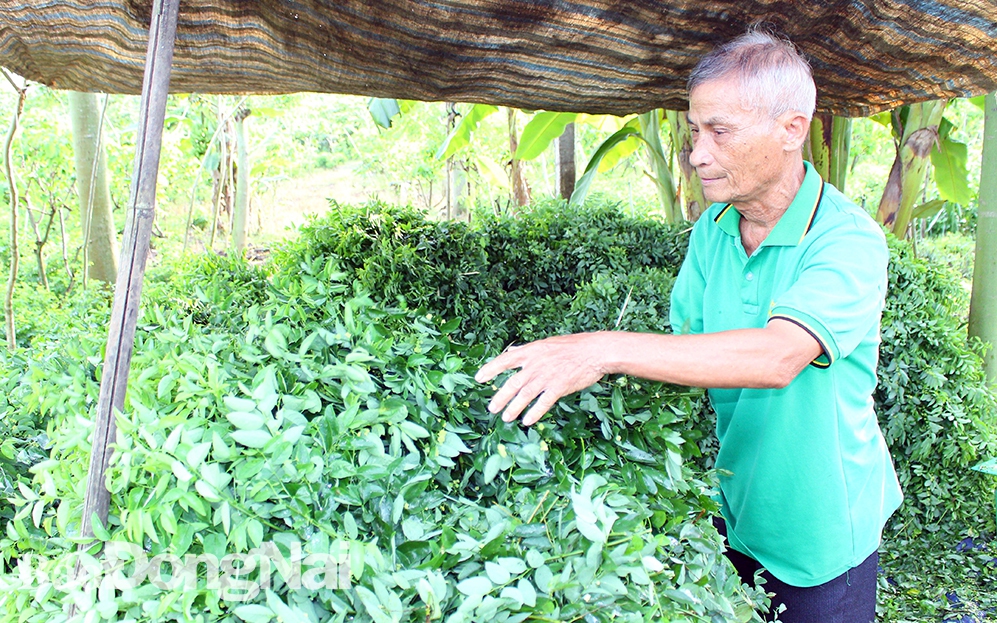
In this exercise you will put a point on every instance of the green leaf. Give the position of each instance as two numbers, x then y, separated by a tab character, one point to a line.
252	438
528	592
254	613
492	172
497	573
245	421
928	209
234	403
461	135
181	472
951	171
476	586
383	110
979	101
540	132
884	118
276	343
492	467
99	531
373	605
592	168
413	430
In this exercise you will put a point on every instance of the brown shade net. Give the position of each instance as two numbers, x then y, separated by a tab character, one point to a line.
598	56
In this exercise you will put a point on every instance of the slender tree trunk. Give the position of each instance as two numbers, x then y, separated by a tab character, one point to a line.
919	137
827	149
520	189
15	125
983	305
240	213
221	183
691	185
64	245
566	174
40	242
96	217
661	172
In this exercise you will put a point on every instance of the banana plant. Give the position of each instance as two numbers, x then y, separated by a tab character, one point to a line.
828	147
691	188
917	128
642	130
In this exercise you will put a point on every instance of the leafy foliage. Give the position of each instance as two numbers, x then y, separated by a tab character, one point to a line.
294	408
327	400
934	406
507	280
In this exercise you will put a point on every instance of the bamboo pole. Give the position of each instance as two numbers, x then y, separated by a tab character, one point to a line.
135	250
983	304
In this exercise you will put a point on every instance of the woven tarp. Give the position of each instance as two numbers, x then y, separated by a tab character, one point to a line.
600	56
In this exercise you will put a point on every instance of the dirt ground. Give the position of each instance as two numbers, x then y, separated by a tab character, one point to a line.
289	205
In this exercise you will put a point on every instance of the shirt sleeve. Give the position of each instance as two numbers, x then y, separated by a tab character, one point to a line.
840	289
686	309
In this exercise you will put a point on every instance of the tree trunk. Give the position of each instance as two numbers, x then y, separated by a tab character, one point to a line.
92	186
520	189
691	186
566	174
983	305
919	137
827	149
240	213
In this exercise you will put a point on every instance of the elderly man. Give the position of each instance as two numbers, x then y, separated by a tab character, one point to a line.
776	310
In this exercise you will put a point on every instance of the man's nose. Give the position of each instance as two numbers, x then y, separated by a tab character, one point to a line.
700	155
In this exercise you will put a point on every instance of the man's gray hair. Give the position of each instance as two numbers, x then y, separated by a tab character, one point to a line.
772	72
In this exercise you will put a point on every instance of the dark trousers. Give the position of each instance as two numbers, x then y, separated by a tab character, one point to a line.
848	598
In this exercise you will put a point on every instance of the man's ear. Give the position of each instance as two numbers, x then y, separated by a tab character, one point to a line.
797	127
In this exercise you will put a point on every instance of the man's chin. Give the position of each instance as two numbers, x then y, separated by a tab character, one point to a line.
715	196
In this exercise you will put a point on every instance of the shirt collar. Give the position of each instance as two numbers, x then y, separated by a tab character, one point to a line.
794	224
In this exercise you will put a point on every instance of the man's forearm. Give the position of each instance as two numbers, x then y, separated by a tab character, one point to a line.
558	366
747	358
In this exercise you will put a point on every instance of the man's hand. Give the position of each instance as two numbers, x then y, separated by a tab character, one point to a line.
549	370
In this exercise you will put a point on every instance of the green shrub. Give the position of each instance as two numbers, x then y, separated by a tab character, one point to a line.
933	402
319	416
507	280
328	401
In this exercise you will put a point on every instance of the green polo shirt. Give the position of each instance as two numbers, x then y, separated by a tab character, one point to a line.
806	480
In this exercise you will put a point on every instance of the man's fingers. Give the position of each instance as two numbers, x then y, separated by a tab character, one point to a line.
505	393
522	400
543	404
497	366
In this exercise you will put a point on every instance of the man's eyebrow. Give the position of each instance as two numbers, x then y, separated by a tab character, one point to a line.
712	121
717	121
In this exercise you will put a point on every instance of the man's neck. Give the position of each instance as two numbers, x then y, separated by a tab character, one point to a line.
759	217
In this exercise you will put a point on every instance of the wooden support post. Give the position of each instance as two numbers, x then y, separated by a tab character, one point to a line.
138	231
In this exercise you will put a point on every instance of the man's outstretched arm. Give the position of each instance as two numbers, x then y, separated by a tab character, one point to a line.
555	367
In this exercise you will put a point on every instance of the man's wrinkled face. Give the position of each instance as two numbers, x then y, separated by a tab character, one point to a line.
737	151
